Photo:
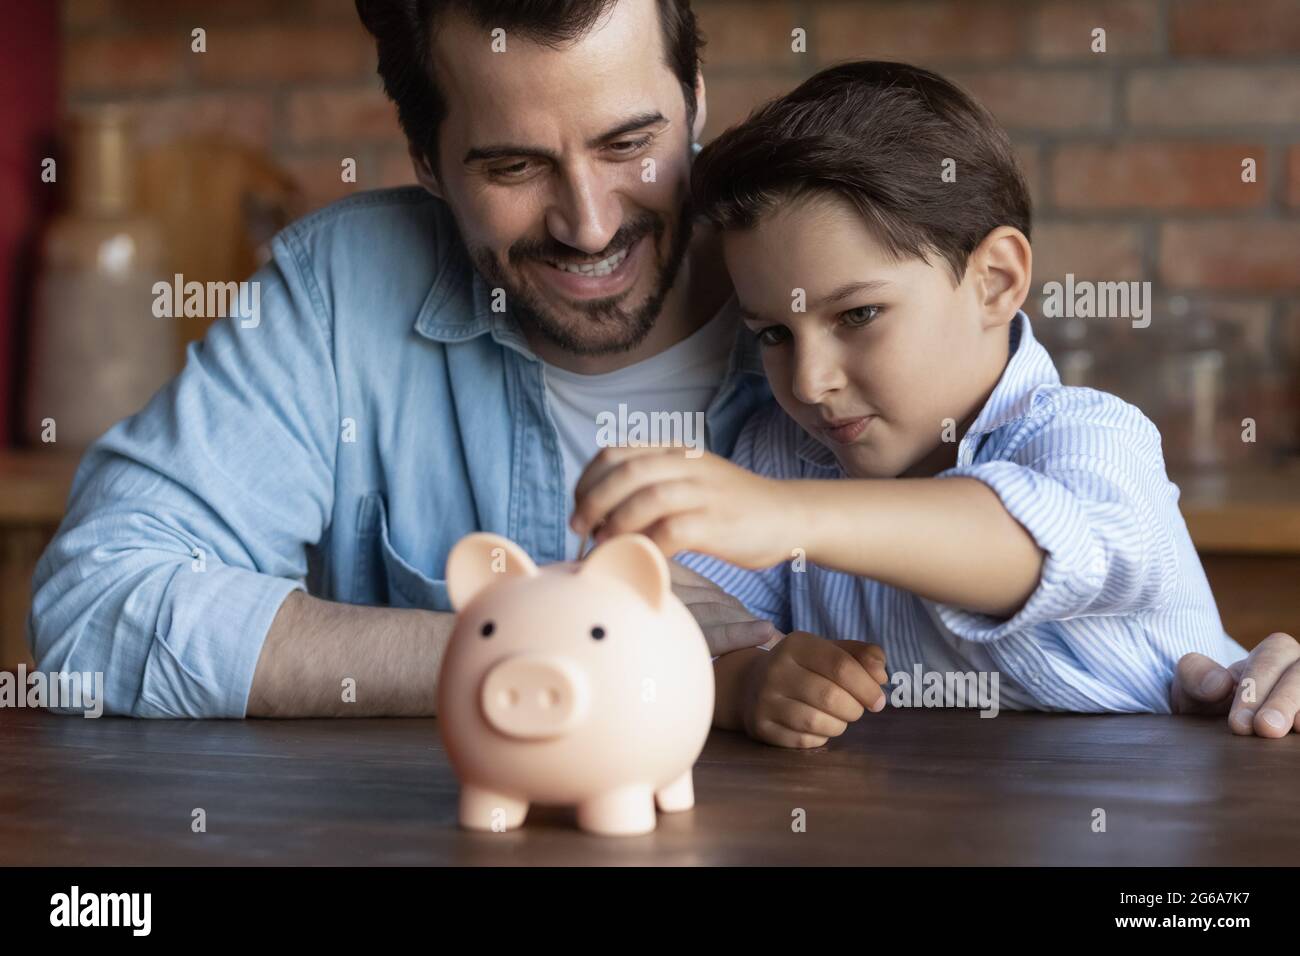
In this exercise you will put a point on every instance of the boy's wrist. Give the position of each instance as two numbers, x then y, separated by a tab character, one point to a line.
729	674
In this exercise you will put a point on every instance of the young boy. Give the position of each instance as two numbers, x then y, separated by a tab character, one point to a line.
875	225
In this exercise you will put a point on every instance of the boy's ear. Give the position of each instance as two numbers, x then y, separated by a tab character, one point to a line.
423	174
634	560
480	559
701	108
1003	266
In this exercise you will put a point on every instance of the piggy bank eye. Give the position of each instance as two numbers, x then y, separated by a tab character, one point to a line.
488	628
597	632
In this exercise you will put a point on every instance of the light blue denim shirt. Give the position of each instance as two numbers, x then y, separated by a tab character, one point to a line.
378	411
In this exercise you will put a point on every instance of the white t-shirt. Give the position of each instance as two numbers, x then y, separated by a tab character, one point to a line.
658	401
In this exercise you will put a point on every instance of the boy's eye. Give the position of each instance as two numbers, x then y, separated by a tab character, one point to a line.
772	335
861	315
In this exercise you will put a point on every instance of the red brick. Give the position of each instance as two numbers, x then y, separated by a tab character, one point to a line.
286	53
246	117
1037	99
1062	29
79	14
318	177
1214	95
392	168
1232	28
342	116
1157	175
730	99
1030	157
1293	176
921	32
748	33
99	64
1230	255
1101	251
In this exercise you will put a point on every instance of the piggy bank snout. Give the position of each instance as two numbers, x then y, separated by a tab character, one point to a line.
534	697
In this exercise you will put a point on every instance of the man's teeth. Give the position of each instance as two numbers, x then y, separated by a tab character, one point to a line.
602	268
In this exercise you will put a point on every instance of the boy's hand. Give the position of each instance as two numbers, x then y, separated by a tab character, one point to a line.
726	624
809	689
1260	694
702	504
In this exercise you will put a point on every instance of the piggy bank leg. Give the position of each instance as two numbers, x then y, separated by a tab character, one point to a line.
485	810
626	812
678	795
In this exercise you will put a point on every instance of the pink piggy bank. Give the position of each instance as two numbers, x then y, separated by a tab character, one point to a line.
586	685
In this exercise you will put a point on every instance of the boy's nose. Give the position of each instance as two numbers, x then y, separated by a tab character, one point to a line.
586	213
815	375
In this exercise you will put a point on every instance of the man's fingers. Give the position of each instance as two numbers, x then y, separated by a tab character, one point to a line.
1201	686
736	635
1280	713
1264	668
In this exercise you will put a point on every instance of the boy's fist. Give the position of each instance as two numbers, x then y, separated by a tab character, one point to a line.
808	689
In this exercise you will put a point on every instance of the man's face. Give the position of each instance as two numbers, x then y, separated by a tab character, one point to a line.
567	170
885	351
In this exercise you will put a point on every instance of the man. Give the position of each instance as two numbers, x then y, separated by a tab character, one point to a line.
422	367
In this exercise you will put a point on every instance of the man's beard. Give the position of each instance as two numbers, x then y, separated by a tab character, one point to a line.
602	326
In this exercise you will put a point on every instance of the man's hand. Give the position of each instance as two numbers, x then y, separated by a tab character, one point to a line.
1260	694
726	623
808	689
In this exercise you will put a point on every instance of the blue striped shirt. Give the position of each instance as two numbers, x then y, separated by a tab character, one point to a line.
1122	594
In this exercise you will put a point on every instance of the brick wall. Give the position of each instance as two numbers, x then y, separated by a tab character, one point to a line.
1133	155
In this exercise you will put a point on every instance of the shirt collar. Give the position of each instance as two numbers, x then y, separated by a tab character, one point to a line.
1013	398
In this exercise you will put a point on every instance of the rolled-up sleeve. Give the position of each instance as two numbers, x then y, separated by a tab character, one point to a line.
1088	483
189	522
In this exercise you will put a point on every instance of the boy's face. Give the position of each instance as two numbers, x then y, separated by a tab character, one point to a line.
576	157
885	351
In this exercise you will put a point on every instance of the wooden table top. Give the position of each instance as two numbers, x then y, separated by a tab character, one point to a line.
904	787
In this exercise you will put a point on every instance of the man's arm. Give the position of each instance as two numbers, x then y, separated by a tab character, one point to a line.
324	659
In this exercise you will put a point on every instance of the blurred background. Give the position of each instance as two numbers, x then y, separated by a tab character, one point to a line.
126	156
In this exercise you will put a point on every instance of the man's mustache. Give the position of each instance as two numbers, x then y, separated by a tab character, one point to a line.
553	251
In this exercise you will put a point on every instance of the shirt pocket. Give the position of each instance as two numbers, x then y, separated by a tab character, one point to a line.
383	576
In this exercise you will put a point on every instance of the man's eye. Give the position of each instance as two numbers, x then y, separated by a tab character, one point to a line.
512	171
772	335
861	315
626	146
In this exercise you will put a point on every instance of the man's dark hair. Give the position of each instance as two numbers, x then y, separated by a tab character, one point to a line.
876	134
404	32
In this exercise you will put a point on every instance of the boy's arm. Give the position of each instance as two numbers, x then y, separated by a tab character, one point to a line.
951	541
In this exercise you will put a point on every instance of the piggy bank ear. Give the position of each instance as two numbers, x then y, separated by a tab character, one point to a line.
481	559
634	560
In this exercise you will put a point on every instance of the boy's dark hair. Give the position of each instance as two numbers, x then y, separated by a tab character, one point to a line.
403	31
876	134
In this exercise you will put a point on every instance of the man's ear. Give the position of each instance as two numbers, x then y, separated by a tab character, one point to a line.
1001	268
701	108
423	174
634	560
480	559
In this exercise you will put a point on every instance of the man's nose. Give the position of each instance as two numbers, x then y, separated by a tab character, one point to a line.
816	373
586	213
